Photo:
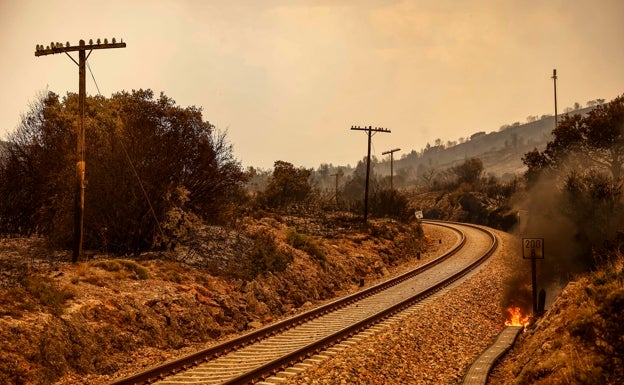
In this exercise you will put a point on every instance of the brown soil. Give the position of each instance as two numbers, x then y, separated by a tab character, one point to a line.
109	317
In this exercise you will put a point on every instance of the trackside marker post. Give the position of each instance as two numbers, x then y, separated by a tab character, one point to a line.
533	249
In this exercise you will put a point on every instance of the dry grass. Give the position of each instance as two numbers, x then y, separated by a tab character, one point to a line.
123	267
579	339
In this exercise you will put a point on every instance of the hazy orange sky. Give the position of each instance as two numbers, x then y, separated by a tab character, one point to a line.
288	79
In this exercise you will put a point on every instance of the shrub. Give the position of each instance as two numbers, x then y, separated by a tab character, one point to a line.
390	203
47	293
307	244
599	325
265	256
117	265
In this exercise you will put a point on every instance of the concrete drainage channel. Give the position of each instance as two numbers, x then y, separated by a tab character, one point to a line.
478	372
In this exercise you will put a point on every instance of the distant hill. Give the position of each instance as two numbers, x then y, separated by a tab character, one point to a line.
500	151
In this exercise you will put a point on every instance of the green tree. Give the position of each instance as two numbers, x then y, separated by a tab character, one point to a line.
146	156
288	185
575	185
595	140
469	172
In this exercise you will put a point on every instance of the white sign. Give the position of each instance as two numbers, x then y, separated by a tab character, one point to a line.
533	248
419	215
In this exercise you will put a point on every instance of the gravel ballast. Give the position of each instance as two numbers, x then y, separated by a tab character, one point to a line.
434	345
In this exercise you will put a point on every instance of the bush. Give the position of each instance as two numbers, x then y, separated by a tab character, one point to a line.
599	325
47	293
391	203
148	160
117	265
265	257
307	244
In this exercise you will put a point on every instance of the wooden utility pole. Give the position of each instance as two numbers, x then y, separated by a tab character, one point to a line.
337	175
54	48
554	78
391	152
369	130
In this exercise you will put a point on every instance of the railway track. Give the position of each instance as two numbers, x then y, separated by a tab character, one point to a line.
264	352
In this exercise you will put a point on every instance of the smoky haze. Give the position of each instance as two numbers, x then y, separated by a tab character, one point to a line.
575	223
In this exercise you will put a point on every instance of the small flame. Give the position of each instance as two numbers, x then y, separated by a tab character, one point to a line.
516	318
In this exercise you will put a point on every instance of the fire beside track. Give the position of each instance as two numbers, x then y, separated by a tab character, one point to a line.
264	352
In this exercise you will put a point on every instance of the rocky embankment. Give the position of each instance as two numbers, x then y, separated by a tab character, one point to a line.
108	317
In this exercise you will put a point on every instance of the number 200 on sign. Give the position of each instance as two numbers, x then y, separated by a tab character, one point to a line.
533	248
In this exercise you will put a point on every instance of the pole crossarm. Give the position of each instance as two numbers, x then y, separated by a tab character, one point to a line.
54	48
80	185
370	129
390	151
369	132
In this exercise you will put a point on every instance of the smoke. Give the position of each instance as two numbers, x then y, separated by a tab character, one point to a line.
576	203
574	213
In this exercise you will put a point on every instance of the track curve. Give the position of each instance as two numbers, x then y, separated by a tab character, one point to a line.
264	352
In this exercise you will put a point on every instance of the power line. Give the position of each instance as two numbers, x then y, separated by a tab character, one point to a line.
93	77
134	171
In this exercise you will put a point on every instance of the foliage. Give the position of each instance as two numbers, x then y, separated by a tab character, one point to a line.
33	291
580	173
307	244
265	257
141	153
288	185
116	265
599	324
391	203
595	140
354	187
47	293
469	172
594	201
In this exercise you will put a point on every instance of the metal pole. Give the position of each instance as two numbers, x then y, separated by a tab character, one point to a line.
554	78
534	283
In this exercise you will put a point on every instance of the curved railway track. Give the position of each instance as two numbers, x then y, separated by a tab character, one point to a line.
264	352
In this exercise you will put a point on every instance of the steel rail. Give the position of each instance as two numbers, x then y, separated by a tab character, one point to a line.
299	355
161	371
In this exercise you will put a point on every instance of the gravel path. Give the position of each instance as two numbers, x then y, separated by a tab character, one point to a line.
435	345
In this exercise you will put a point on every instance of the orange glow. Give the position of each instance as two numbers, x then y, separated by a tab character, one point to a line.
516	318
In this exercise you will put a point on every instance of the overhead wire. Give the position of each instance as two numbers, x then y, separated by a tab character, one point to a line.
134	170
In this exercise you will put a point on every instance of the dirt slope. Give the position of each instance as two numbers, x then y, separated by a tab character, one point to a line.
109	317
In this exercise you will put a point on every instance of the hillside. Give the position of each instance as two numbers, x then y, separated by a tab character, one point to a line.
83	323
501	151
579	339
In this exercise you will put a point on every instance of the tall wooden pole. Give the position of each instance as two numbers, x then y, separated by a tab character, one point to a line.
369	130
391	152
79	199
80	159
